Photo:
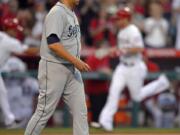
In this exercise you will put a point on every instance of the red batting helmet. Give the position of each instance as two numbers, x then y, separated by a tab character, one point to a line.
123	13
12	23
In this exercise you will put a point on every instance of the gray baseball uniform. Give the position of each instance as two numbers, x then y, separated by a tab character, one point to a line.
57	77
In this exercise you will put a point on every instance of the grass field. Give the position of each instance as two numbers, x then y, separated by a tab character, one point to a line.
119	131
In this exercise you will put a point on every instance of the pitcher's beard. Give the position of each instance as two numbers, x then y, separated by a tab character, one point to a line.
77	2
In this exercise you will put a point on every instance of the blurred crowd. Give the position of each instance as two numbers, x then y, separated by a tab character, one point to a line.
158	20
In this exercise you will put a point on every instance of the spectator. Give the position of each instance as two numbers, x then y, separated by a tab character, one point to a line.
5	1
26	19
101	28
26	4
87	12
166	5
111	6
8	9
176	9
50	3
34	37
137	8
156	27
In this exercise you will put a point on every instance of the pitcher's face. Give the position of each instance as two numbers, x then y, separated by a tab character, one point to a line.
74	2
77	2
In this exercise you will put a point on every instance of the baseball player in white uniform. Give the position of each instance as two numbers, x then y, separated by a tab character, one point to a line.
131	71
59	69
8	45
21	90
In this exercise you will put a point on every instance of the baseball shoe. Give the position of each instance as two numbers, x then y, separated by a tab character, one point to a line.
14	125
95	124
165	84
106	126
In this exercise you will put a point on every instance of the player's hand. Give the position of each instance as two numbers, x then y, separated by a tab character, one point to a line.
123	51
113	52
82	66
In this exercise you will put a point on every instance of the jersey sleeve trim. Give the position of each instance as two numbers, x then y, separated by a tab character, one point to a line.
53	38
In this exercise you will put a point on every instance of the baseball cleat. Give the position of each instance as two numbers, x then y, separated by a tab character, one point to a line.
95	124
106	126
14	125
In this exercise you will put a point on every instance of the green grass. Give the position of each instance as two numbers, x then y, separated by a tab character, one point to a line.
117	130
147	130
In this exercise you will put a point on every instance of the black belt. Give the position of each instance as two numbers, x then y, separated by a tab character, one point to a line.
69	66
128	64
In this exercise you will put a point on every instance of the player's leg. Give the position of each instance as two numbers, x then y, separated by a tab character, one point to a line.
159	85
52	79
136	80
111	106
4	104
74	97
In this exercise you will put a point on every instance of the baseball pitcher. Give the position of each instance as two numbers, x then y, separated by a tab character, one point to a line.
59	69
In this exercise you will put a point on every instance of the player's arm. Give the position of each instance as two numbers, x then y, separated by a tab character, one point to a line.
136	43
54	26
59	50
32	51
29	51
115	51
16	47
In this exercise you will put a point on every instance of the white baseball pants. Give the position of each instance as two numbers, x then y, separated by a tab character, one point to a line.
132	77
4	104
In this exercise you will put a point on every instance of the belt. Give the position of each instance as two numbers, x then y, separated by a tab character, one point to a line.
128	64
69	66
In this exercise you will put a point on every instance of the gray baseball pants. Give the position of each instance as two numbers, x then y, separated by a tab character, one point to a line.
56	81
